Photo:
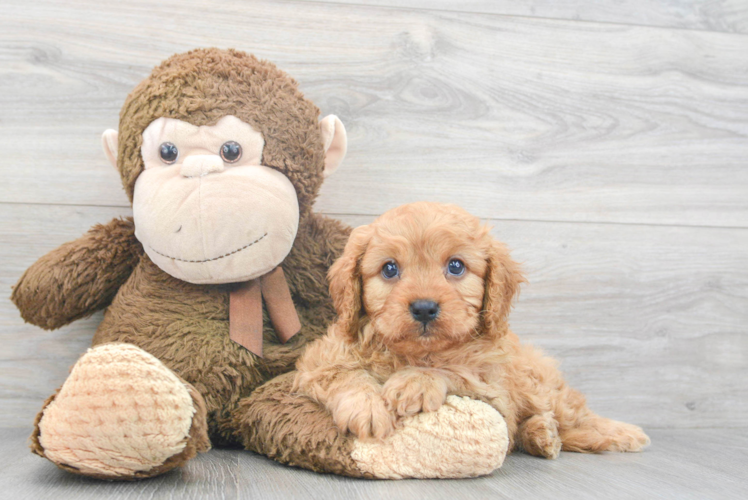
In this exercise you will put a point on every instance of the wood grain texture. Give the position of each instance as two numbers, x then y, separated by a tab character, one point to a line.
611	157
729	16
511	117
680	464
648	321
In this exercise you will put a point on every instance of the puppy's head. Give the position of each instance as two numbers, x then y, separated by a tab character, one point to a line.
427	276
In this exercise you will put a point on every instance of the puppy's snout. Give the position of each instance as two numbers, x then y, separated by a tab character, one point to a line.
424	310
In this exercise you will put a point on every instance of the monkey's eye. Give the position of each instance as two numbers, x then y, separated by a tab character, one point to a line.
231	152
168	152
456	267
390	270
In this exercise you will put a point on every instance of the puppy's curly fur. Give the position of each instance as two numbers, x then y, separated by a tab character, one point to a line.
379	363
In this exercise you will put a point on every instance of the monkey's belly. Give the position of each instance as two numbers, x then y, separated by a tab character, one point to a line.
187	328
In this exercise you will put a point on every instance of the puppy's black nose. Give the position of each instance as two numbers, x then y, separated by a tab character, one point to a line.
424	310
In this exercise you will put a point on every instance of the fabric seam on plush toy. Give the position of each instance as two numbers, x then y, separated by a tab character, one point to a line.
214	258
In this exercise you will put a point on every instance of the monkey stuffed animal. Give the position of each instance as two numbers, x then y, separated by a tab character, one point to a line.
213	288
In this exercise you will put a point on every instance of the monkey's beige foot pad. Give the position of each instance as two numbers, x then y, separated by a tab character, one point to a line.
121	414
464	438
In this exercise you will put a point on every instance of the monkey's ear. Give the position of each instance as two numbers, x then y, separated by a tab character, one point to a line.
109	142
335	142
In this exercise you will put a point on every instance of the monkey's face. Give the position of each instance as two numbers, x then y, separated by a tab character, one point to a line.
206	210
222	157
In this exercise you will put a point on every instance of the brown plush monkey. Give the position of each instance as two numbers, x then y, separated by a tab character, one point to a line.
222	157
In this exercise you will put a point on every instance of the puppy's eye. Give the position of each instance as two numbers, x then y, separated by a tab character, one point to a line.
231	152
456	267
168	153
390	270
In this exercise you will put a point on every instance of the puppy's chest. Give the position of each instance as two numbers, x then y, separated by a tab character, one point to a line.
382	370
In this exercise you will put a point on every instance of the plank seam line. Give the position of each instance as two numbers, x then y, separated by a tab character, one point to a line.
554	221
494	14
487	219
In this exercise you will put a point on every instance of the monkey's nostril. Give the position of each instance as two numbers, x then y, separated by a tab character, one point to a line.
424	310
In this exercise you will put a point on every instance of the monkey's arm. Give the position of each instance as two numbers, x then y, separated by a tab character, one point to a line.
78	278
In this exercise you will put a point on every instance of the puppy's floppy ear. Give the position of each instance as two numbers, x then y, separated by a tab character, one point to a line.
502	281
345	282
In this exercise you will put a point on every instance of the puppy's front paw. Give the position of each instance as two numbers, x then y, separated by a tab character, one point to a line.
412	391
364	414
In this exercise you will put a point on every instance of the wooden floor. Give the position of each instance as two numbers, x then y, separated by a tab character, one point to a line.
682	464
605	140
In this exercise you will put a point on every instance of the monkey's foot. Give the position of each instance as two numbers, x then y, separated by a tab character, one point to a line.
121	414
463	438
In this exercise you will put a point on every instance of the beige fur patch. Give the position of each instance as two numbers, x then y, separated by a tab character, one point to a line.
120	411
206	221
464	438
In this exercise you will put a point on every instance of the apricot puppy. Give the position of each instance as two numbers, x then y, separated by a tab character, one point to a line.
422	295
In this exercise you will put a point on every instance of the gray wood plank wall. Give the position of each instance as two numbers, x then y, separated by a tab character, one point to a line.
606	142
710	15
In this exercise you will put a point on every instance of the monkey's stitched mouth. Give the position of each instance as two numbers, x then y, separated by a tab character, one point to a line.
214	258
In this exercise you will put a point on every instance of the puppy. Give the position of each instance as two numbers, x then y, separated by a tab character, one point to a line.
422	296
